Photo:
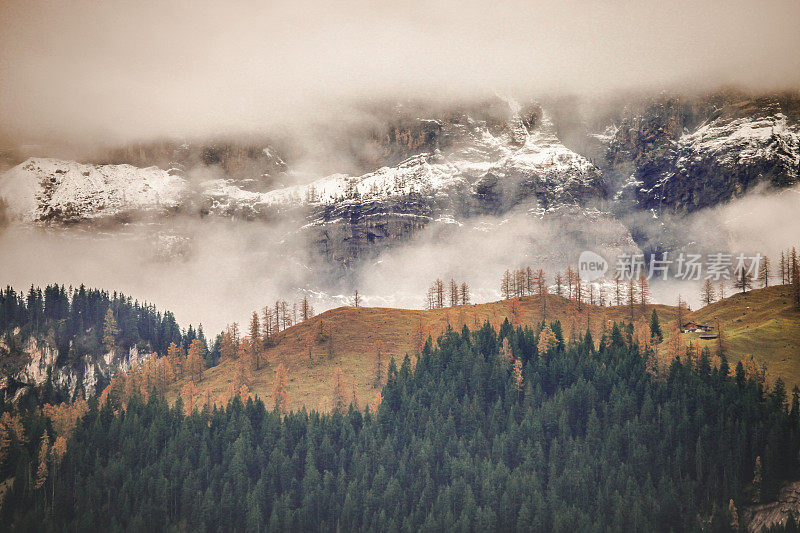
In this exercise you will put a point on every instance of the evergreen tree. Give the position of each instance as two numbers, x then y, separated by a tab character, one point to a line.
655	327
110	331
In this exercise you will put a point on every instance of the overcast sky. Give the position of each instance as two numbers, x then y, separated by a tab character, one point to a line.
126	70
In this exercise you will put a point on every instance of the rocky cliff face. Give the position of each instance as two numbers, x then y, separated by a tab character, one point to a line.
461	167
668	154
37	361
764	516
686	154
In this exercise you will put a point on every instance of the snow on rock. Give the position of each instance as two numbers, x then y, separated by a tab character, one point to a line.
514	155
740	141
41	189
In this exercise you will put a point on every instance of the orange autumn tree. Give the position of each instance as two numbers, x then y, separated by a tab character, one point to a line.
41	469
280	391
188	393
176	356
195	360
517	373
505	352
376	402
11	432
64	417
547	340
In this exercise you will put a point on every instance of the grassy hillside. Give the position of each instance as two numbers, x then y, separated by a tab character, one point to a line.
761	323
355	334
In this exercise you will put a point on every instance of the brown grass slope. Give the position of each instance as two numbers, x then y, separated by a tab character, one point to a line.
353	335
760	323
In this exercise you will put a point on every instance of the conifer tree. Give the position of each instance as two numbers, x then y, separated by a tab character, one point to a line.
644	292
744	280
530	280
280	390
782	266
505	352
570	282
306	310
707	292
195	360
559	284
631	301
655	327
764	271
757	480
188	393
547	340
255	345
356	299
110	331
679	314
517	373
175	357
453	293
506	285
795	278
541	290
464	294
41	469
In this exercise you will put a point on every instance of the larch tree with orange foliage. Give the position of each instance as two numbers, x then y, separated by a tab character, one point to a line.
195	360
376	402
176	358
280	389
41	469
229	347
505	352
339	402
188	393
547	340
517	374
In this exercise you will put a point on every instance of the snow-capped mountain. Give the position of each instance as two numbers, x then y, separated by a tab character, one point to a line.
489	169
673	155
51	190
664	154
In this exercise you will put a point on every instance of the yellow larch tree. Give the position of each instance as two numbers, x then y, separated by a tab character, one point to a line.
547	340
195	360
41	469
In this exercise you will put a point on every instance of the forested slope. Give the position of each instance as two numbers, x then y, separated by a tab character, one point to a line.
540	435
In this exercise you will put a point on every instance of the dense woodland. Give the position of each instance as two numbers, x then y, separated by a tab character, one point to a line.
485	431
76	321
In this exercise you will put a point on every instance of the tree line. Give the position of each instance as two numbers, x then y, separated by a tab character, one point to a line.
487	430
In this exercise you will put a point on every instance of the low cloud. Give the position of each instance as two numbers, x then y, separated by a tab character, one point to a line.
99	72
